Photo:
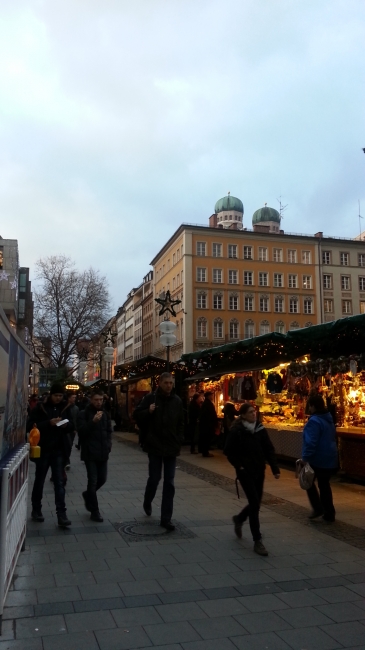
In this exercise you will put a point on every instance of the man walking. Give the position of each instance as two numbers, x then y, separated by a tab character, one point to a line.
160	417
55	444
95	431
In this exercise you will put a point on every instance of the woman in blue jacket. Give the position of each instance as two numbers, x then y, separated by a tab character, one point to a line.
320	451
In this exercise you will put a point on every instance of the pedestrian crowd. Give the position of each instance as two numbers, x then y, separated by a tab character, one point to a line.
160	419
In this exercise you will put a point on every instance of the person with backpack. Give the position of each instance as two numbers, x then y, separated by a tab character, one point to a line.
248	447
95	431
160	419
320	451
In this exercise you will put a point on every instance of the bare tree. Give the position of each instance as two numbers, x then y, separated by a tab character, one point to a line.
70	309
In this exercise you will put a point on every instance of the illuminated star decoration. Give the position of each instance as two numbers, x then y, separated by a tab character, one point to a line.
167	304
13	284
4	275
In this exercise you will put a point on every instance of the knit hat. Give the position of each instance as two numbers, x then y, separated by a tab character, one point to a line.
57	388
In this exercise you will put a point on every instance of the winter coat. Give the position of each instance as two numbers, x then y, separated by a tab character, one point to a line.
208	419
250	449
95	437
53	439
194	415
319	441
74	410
161	432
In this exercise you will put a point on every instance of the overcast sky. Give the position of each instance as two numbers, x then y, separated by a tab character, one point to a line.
121	119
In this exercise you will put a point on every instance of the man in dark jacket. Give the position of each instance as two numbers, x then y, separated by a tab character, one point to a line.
160	418
208	422
95	431
248	447
55	444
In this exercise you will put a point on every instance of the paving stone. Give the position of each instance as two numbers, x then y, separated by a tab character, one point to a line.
50	609
52	569
356	578
148	573
346	568
301	616
142	601
136	616
89	621
183	596
262	603
336	594
140	587
256	623
61	594
222	592
71	579
19	598
218	627
31	644
342	612
358	589
85	565
97	604
252	578
88	592
216	580
177	632
34	582
310	638
281	575
182	583
222	607
75	641
40	626
347	633
317	571
18	612
260	642
180	612
334	581
120	639
178	570
294	585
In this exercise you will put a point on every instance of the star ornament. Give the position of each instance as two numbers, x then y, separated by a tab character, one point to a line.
4	275
167	304
14	284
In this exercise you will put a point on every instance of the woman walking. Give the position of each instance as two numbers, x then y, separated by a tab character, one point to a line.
320	451
248	447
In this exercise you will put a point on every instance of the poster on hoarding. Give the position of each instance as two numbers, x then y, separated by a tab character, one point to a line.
4	362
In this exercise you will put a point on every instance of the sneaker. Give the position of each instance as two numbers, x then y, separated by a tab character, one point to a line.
84	496
315	513
63	521
168	525
237	526
259	548
147	507
96	516
37	515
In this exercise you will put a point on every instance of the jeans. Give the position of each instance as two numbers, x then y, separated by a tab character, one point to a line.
97	472
322	501
54	460
154	477
253	488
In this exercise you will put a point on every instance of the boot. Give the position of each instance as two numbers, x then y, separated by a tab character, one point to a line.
96	516
259	548
37	515
63	521
168	525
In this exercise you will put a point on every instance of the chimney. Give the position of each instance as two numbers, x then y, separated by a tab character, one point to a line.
213	221
319	235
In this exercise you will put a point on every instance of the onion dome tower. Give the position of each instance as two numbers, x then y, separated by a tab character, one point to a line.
267	219
229	211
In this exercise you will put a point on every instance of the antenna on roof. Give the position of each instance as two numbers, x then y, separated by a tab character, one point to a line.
282	207
228	192
360	217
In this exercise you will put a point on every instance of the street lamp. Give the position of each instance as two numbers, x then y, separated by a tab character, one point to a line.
167	338
108	355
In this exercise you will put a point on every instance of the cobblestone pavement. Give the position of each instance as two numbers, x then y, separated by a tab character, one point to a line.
93	587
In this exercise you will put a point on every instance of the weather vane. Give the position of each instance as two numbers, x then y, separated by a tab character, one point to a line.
167	304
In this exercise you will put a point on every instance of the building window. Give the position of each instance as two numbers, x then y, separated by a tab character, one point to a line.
344	259
248	303
307	281
173	283
264	327
280	327
247	252
292	256
182	277
22	282
217	250
232	250
264	303
278	254
202	300
294	325
248	277
347	307
218	328
202	328
293	281
201	274
293	306
362	283
262	254
217	301
306	257
361	259
308	306
233	301
217	276
177	281
249	329
327	281
232	277
326	257
362	306
1	256
233	329
178	254
200	248
345	283
174	259
279	304
263	279
21	312
328	306
308	324
278	280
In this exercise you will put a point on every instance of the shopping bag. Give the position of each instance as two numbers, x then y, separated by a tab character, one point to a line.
305	473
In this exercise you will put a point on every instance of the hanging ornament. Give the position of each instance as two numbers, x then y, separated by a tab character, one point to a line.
14	284
4	275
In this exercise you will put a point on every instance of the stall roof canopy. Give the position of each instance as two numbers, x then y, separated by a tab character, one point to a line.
143	367
343	337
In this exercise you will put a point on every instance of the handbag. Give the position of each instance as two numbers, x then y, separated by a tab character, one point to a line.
305	473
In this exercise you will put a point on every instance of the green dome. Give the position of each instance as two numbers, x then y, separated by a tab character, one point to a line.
228	203
265	214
